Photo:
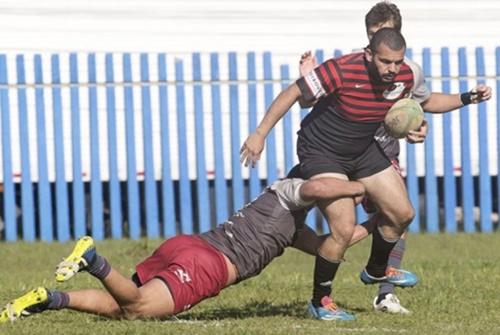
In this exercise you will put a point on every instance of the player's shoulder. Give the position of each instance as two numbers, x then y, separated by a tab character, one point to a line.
349	59
413	66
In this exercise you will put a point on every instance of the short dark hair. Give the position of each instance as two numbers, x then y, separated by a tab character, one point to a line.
382	12
390	37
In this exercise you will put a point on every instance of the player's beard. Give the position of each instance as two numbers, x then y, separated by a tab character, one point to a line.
376	77
388	78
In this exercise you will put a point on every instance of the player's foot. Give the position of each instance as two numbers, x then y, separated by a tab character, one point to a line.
329	311
82	254
396	277
389	303
34	301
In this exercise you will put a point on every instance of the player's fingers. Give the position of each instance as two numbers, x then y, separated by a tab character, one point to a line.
305	55
243	148
480	88
255	158
244	156
416	139
409	139
486	93
251	161
247	160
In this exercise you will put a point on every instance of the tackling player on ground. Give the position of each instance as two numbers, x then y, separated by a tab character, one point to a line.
187	269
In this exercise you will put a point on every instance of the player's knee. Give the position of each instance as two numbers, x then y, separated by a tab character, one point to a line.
133	311
407	215
343	235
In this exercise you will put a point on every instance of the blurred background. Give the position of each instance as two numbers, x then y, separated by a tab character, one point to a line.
284	26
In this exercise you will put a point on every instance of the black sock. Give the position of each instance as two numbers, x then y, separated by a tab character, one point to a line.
324	273
381	248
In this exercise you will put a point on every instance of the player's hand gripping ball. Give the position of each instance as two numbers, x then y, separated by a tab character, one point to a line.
405	115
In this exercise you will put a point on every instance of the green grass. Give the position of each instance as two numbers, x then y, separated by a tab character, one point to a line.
458	293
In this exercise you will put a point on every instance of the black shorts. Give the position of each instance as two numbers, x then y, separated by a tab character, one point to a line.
314	161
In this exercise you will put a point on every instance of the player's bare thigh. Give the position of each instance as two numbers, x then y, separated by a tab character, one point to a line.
341	219
387	190
338	211
155	300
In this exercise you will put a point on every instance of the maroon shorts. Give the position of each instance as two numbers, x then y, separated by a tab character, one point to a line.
192	269
368	205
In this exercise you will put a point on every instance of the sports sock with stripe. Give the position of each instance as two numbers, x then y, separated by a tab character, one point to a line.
57	300
381	248
324	273
395	261
99	267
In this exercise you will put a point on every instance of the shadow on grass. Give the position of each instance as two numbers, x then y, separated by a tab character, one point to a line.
295	309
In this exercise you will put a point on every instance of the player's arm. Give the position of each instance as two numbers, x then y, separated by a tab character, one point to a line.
330	189
311	87
442	103
308	241
252	147
433	102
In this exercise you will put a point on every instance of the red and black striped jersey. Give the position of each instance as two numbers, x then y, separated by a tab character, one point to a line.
354	95
350	105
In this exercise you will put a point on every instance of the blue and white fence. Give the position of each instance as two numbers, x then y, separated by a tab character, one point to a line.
131	145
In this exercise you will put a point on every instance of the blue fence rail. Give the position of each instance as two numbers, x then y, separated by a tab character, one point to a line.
148	145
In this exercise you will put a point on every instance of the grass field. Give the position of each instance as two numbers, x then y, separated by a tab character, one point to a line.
458	293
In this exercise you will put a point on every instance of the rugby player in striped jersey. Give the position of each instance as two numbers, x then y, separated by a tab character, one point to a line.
336	139
381	15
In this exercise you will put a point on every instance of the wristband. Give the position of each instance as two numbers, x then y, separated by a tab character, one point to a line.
466	98
469	97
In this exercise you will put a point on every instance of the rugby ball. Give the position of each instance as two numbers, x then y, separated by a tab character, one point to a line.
405	115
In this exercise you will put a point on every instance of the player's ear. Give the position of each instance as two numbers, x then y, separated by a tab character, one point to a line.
368	54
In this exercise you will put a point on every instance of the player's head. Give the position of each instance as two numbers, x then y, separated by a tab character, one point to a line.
383	15
385	54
